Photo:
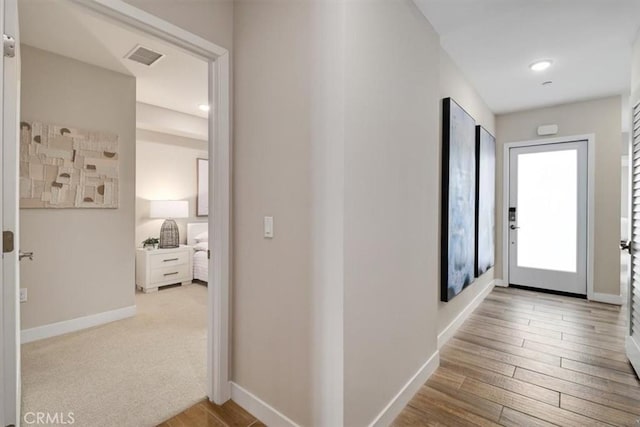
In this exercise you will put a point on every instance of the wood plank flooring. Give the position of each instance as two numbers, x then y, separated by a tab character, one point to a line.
532	359
207	414
521	359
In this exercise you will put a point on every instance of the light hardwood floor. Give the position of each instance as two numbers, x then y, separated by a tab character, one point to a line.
522	359
207	414
532	359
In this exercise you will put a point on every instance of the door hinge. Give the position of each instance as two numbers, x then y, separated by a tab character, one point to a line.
9	44
7	242
208	254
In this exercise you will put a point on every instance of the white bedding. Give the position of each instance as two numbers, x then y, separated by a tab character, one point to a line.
200	266
200	261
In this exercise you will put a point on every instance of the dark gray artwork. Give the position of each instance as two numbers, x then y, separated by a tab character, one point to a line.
485	200
458	200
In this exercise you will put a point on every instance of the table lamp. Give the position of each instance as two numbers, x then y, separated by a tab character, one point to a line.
169	209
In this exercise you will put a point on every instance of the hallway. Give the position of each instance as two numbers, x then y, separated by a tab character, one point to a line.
534	359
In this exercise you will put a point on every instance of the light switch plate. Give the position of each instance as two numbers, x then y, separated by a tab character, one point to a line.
268	227
23	295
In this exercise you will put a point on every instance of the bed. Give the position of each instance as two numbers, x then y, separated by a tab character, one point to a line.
197	237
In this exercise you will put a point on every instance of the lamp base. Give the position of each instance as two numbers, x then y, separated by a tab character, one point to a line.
169	235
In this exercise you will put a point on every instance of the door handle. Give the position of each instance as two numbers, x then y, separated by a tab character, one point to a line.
513	227
22	255
625	245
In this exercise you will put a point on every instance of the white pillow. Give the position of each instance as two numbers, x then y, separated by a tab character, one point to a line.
202	237
201	246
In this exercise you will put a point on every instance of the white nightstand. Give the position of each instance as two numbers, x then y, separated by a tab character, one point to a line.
161	267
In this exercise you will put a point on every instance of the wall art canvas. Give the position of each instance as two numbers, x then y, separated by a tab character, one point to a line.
485	200
62	167
202	199
458	200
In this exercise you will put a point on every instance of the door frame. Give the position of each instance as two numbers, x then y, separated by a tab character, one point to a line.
219	145
591	148
9	218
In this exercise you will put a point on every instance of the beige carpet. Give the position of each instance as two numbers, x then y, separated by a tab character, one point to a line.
135	372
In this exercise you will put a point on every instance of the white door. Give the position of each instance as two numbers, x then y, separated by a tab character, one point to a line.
548	217
9	128
633	331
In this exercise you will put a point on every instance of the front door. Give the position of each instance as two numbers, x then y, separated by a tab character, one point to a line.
547	217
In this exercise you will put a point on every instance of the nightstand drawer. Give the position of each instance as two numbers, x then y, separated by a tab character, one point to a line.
168	260
176	273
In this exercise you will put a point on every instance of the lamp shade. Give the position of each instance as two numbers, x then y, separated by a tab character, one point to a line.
169	209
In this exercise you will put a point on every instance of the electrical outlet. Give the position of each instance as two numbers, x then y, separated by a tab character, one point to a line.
23	295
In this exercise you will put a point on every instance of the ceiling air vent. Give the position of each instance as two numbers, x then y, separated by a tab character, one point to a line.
144	55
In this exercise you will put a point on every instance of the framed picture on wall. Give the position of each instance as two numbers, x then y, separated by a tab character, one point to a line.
457	256
202	197
485	200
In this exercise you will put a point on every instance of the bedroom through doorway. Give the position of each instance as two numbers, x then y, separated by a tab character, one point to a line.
129	210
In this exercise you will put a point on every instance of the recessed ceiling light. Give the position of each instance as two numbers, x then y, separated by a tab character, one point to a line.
547	83
541	65
203	107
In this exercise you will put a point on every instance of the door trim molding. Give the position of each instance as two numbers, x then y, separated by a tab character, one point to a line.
591	161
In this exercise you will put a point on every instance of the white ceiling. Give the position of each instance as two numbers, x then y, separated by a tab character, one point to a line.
177	82
494	41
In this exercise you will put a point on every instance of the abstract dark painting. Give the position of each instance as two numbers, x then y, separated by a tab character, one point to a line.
457	264
485	199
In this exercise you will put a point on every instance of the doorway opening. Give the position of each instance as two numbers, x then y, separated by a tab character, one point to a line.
548	215
215	299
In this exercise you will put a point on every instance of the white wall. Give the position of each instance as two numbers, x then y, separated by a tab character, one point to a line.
336	135
210	19
171	122
391	195
165	170
74	272
272	292
602	118
455	85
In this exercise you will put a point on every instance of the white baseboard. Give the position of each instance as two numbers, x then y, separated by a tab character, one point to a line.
59	328
633	353
451	329
500	283
400	400
259	408
606	298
